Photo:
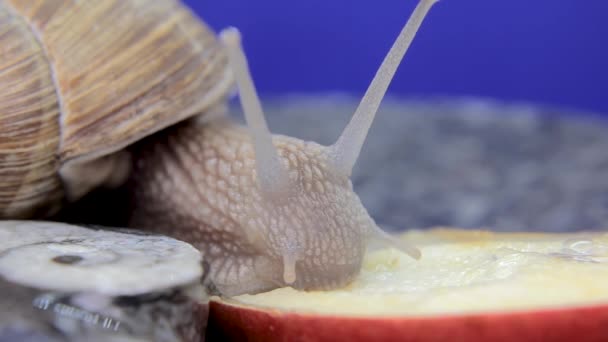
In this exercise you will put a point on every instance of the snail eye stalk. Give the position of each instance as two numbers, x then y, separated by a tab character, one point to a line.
272	176
346	149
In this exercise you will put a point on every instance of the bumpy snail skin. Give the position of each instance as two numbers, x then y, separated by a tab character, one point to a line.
200	184
267	211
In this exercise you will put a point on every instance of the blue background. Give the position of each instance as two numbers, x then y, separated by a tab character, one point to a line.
545	51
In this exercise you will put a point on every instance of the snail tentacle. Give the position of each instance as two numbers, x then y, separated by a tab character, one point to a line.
384	239
346	149
272	176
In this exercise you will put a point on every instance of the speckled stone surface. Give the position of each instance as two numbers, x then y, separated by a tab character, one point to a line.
30	314
468	162
61	282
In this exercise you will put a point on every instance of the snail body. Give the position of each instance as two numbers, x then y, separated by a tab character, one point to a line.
253	239
266	211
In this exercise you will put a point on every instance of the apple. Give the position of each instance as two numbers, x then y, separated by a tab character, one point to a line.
468	286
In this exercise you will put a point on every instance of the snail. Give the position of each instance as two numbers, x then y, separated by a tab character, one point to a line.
106	92
267	211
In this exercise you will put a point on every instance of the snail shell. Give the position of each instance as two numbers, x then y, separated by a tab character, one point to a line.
80	80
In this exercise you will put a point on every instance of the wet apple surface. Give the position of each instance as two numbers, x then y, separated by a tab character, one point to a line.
465	272
468	285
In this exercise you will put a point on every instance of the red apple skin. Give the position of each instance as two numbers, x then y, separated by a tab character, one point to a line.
230	322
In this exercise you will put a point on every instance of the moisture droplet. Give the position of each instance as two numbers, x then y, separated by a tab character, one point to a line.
583	246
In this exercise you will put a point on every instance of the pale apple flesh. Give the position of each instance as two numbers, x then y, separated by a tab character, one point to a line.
468	286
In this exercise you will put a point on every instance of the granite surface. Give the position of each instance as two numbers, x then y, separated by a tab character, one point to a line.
468	162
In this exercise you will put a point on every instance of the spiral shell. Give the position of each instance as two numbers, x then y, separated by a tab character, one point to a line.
82	79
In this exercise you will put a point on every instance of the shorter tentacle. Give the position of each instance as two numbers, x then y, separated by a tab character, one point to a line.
380	238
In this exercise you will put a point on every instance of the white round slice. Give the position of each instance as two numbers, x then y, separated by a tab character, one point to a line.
69	258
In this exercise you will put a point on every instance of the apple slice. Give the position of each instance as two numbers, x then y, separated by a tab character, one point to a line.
468	286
